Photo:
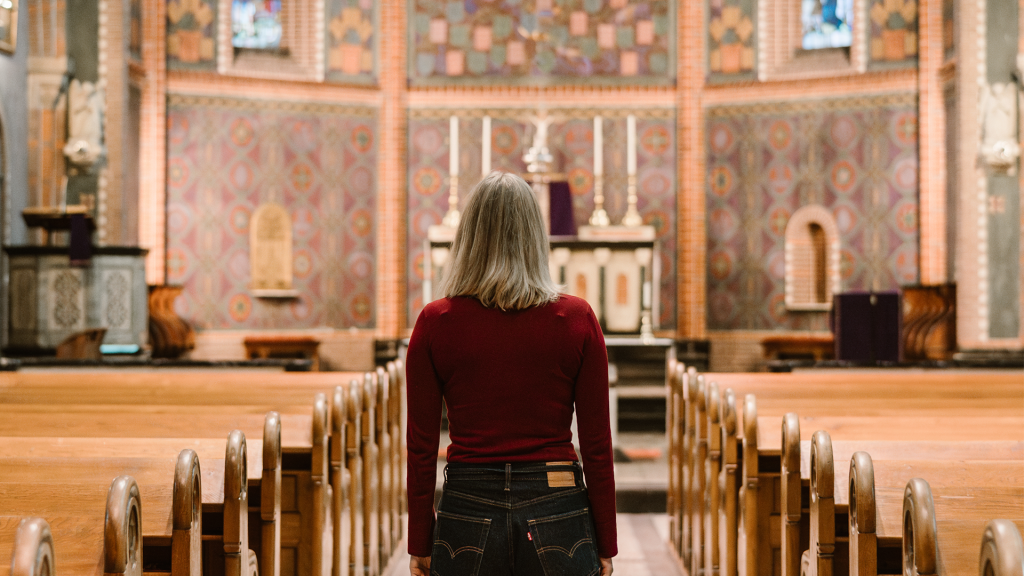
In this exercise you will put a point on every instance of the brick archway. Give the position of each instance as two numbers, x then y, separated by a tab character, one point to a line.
812	259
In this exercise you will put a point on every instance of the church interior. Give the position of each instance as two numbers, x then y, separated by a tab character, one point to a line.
221	219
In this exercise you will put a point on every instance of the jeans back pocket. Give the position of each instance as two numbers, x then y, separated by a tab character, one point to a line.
458	544
565	544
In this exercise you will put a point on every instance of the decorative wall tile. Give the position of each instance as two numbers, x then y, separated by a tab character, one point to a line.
731	39
856	157
225	158
351	41
540	41
191	34
893	31
571	142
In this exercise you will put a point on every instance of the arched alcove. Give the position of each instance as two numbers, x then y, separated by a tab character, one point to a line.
812	259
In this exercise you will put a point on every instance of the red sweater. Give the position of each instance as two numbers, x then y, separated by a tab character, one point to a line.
510	380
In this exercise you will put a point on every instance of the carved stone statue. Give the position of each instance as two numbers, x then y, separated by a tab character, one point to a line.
84	147
999	144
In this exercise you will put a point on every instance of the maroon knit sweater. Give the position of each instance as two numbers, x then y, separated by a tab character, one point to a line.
510	380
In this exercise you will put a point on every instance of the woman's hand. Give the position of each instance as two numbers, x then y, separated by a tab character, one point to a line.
606	567
420	565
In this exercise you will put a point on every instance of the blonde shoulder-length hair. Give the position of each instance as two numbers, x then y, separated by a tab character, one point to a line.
500	252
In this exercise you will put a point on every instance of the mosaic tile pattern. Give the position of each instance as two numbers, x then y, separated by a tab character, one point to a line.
893	31
857	158
191	34
732	41
351	41
225	158
571	142
539	41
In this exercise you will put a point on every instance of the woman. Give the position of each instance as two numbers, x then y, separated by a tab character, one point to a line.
510	357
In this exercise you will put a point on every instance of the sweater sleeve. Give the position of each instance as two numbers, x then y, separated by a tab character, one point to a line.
595	436
423	392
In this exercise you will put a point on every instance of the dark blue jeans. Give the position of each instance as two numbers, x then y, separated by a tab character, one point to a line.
523	519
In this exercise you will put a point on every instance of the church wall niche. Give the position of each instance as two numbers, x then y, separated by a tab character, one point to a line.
226	157
856	157
542	42
571	143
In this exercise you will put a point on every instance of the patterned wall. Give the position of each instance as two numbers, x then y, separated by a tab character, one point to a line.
534	41
856	157
225	158
893	33
191	34
572	145
732	41
351	41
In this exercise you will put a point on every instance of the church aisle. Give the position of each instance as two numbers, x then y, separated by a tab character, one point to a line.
643	549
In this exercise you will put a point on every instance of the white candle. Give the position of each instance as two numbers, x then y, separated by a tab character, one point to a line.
631	145
598	146
453	146
485	160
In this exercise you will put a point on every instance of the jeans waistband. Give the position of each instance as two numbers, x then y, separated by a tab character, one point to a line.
515	468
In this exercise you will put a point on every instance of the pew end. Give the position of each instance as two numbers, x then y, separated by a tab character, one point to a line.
748	537
862	516
33	553
270	496
822	547
1002	550
236	506
791	503
728	487
187	499
122	529
920	535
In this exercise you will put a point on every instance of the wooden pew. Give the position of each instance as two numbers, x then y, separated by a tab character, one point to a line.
1002	550
31	547
895	518
281	388
928	399
172	487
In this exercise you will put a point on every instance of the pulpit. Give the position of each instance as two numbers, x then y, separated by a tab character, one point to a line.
50	299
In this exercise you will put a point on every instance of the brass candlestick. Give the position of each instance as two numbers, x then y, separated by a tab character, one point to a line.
599	217
632	217
451	219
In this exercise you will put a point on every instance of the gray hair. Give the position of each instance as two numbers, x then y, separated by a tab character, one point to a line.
500	252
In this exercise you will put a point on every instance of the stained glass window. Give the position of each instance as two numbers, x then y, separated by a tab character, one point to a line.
256	24
826	23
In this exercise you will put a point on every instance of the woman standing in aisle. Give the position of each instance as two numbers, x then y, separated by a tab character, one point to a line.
511	358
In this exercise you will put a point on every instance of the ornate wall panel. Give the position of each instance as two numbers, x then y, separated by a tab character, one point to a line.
352	41
857	157
731	39
192	34
893	32
571	142
541	41
226	157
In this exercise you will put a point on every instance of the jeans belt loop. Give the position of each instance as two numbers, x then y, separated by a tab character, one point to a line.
508	477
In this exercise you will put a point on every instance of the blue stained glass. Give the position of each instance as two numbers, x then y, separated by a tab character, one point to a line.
256	24
826	23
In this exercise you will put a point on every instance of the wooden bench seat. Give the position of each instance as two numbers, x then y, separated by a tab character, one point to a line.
706	453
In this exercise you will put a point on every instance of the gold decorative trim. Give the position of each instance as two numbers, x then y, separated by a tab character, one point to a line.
812	105
227	103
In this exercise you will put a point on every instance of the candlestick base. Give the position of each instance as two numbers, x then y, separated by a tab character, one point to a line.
632	217
600	218
646	330
451	219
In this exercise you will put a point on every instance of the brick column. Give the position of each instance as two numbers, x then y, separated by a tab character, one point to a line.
692	241
391	181
931	142
153	156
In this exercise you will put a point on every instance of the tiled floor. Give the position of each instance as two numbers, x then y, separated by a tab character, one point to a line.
643	549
